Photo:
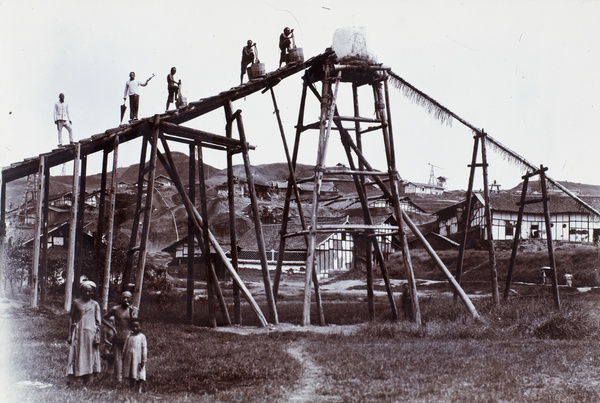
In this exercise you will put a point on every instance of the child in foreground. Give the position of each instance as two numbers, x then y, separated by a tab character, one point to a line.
135	354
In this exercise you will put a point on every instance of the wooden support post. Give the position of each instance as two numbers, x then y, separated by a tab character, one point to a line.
39	188
464	297
2	233
131	252
466	217
79	229
72	228
489	224
393	183
549	236
375	244
44	246
237	308
516	237
139	278
273	317
292	185
349	145
192	211
190	237
101	216
325	121
361	167
111	225
210	270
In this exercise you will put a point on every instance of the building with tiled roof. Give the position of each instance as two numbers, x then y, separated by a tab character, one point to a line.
569	220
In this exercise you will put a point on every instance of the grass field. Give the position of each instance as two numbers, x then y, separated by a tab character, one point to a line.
523	351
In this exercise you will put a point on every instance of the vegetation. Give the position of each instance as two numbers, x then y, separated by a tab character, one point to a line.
523	350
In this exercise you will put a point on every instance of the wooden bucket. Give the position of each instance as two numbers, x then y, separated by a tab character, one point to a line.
295	55
256	70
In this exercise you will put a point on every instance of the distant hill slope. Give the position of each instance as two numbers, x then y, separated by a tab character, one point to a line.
580	189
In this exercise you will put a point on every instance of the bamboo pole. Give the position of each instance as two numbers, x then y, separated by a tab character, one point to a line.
273	317
111	226
37	231
72	228
139	279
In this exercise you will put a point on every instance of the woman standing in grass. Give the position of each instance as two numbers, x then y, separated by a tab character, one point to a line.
135	354
84	353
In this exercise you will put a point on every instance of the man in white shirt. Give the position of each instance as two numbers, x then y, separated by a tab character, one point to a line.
132	88
62	118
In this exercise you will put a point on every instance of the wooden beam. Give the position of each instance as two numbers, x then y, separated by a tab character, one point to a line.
139	279
200	135
72	229
192	211
273	317
190	237
489	224
111	225
39	191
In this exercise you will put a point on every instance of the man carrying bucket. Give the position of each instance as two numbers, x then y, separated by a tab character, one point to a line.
247	58
285	44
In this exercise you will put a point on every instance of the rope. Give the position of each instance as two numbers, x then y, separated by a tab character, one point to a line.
446	116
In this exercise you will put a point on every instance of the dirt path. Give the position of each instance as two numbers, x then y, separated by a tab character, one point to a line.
307	389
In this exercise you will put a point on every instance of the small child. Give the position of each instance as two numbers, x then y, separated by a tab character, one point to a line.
135	354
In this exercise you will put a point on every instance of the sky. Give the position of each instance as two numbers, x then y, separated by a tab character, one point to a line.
525	71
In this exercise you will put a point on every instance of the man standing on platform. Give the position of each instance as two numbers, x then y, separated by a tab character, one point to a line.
285	44
62	118
172	87
247	58
132	88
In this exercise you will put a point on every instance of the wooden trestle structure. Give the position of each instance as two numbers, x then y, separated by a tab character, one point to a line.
159	130
332	74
